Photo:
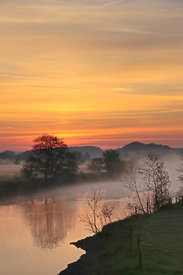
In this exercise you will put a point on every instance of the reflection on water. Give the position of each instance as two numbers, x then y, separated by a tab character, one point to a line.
49	220
35	233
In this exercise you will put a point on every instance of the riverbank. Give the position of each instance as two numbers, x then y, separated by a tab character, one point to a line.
139	244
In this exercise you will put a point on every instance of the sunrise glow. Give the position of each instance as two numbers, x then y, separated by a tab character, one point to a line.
102	73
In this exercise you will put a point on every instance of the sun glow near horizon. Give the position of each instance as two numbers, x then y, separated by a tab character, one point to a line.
97	73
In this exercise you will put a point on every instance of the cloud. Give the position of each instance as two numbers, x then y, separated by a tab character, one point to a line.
89	65
109	4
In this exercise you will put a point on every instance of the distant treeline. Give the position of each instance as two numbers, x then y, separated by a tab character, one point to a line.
51	162
83	153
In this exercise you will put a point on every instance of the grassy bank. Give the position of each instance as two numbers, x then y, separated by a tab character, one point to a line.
150	244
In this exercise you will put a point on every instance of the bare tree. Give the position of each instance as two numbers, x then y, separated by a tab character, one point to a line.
99	213
180	169
148	186
107	212
157	181
134	188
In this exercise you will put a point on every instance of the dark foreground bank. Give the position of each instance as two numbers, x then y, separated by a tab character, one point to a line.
140	244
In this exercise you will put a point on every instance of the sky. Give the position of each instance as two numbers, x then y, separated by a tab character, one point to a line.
93	72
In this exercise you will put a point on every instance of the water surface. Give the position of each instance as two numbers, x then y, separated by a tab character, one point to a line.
35	232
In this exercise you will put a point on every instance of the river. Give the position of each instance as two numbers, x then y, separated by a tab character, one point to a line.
36	230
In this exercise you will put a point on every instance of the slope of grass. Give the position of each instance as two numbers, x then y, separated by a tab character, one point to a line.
161	244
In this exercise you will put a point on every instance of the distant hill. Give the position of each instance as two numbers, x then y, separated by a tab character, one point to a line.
8	155
88	152
141	149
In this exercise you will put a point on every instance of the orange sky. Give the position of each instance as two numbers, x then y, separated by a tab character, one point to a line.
94	72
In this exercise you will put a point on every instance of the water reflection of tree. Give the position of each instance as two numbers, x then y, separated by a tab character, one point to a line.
49	220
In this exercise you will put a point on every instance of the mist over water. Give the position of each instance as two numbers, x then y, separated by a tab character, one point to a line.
41	225
9	169
112	189
171	161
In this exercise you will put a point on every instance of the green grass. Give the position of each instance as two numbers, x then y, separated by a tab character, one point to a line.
161	241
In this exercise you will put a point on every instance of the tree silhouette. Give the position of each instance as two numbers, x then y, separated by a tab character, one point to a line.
97	165
50	158
109	164
113	164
